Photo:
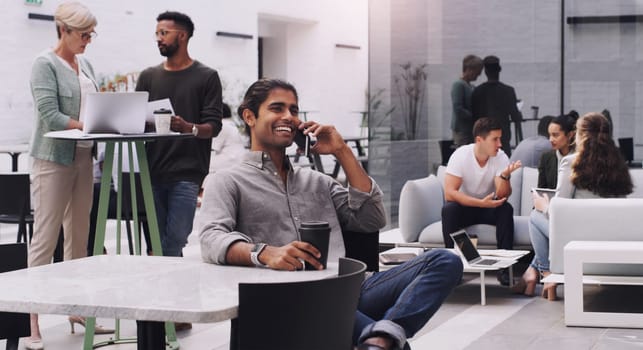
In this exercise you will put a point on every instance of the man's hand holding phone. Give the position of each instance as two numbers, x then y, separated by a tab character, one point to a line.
328	140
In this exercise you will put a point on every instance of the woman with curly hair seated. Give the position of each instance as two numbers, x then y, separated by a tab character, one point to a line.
596	170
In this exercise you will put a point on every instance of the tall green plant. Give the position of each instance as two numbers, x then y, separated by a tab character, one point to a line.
411	86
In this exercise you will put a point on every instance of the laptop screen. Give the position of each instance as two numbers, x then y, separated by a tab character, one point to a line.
465	245
115	112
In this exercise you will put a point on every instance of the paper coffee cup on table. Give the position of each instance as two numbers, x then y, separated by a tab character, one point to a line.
162	120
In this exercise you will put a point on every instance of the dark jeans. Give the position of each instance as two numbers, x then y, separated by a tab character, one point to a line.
175	209
408	294
456	217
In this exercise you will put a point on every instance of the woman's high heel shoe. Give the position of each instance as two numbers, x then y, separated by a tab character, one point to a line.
549	289
81	321
527	285
34	344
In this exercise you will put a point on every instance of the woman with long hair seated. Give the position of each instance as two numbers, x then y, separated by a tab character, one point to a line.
561	136
596	170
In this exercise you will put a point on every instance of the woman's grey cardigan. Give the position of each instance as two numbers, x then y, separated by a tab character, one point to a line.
56	95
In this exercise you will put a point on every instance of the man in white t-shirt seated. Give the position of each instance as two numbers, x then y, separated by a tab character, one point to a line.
476	187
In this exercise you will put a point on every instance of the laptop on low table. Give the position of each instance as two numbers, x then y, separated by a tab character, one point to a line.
470	253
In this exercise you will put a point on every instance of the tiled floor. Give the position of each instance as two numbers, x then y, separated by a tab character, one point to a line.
507	321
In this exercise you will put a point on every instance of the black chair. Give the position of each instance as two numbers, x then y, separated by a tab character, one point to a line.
626	146
363	247
15	203
446	150
312	315
13	325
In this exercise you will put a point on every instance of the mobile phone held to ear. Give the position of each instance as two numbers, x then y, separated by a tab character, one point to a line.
303	142
306	145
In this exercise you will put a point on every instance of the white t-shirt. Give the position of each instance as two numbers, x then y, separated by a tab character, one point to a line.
228	147
477	181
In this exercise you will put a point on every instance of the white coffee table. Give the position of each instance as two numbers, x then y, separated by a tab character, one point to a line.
511	256
578	253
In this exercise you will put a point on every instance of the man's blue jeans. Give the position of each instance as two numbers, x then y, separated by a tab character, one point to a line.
539	234
175	207
408	294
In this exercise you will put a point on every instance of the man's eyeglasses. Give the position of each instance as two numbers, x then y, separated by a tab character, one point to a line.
164	32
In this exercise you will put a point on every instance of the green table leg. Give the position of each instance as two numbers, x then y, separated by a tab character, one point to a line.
101	221
150	211
148	198
119	200
90	324
103	201
134	200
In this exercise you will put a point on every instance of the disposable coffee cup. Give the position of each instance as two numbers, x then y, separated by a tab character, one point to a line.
162	120
316	233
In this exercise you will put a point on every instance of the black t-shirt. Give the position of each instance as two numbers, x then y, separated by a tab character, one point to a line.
494	99
195	93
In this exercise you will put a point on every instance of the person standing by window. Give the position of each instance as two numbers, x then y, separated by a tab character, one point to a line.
461	90
494	99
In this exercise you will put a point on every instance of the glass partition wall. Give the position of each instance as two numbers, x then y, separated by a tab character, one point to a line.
559	55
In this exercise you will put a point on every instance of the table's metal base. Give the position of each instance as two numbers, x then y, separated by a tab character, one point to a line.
150	335
483	290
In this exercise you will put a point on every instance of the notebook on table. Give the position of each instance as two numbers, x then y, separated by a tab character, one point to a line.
399	255
470	253
115	112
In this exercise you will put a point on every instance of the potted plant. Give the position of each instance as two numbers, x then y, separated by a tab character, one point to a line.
410	85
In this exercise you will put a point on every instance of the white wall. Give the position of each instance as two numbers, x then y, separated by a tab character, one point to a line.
330	80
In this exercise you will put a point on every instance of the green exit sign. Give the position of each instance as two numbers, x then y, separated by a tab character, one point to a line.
33	2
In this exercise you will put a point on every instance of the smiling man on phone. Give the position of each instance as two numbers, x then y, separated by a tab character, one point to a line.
253	212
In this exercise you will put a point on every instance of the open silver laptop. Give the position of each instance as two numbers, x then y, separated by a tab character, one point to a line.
466	248
115	112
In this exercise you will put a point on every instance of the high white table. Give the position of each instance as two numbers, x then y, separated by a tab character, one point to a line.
130	141
144	288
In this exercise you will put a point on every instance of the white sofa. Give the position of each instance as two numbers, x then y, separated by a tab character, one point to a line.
614	219
420	211
605	219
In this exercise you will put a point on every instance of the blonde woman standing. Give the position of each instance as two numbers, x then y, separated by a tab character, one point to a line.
62	170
